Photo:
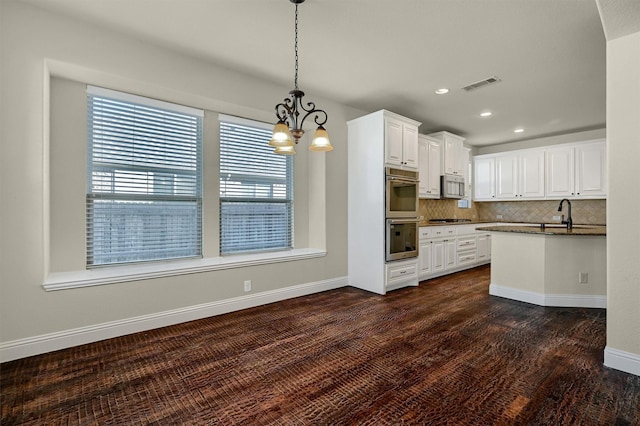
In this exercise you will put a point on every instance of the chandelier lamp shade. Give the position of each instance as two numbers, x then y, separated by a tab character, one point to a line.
292	113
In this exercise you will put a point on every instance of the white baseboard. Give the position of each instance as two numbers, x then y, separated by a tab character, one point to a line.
621	360
557	300
22	348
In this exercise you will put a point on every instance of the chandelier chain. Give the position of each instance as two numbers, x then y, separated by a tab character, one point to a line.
296	48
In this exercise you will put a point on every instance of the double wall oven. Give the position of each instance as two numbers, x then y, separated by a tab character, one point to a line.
401	189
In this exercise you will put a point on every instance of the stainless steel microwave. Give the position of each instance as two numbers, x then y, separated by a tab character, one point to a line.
451	186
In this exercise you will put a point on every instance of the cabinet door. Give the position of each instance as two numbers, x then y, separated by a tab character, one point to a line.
462	162
410	146
425	257
590	170
434	170
466	172
451	147
531	174
483	248
393	142
484	179
438	256
423	168
450	248
507	176
559	172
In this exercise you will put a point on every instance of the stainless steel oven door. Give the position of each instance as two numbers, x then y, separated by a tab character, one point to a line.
402	197
401	239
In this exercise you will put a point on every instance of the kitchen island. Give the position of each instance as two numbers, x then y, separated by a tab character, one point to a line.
550	265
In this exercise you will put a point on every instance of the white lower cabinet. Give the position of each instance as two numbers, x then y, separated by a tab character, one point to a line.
425	251
401	274
484	247
447	249
449	254
466	250
437	250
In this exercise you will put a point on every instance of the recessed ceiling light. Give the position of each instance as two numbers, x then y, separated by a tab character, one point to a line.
485	114
442	91
518	131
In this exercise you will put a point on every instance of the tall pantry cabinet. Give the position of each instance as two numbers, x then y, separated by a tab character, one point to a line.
376	140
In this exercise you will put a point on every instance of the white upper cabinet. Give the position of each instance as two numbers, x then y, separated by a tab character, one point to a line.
560	172
531	174
452	152
577	171
520	175
429	167
484	178
393	141
507	176
591	176
401	143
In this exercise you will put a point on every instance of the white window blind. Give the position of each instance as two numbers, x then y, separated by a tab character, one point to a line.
256	189
144	179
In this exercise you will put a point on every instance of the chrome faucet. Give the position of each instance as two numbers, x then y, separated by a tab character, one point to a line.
569	221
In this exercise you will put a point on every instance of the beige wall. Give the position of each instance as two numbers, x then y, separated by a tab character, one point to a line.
35	44
623	206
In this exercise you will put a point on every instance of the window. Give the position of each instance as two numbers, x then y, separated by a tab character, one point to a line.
144	179
256	189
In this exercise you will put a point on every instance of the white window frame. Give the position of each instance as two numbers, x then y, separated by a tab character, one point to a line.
144	179
256	190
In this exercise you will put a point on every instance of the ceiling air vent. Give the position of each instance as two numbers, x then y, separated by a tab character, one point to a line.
482	83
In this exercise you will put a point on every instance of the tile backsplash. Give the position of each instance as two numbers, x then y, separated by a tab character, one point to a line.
446	209
592	212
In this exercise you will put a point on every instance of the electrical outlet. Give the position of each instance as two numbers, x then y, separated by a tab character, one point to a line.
557	218
583	278
247	285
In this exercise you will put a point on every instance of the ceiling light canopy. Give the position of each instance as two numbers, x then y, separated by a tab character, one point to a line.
292	113
442	91
520	130
486	114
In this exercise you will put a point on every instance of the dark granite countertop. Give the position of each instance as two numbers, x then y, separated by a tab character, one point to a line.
472	222
551	229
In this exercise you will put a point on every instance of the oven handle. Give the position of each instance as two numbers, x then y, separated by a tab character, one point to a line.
402	179
394	221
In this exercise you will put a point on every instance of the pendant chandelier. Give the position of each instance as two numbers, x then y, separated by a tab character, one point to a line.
288	129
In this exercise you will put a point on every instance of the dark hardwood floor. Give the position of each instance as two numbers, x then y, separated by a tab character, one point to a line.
443	353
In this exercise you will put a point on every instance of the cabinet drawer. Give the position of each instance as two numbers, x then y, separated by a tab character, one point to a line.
465	243
402	271
425	232
466	258
465	230
401	274
443	231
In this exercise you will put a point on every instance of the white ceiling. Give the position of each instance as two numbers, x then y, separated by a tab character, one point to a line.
393	54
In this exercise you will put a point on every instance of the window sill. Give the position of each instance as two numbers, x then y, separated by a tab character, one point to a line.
118	274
